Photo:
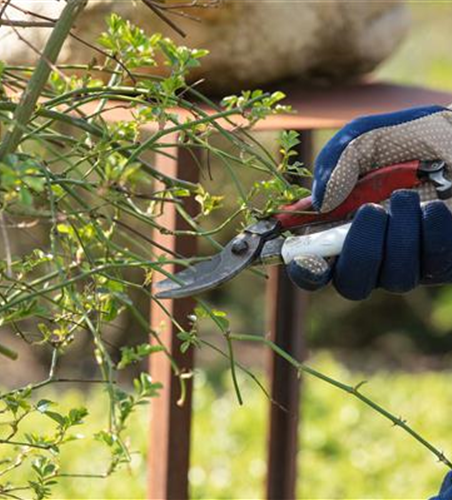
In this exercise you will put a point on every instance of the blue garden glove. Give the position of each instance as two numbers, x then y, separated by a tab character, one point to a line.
403	243
445	493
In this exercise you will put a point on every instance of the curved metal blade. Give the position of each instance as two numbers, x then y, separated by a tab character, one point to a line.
210	273
236	256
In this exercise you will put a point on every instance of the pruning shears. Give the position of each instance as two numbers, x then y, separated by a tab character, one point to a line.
265	243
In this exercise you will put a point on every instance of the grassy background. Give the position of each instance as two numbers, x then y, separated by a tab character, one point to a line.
424	58
347	450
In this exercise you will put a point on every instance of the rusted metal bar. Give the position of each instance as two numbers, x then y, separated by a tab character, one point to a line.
287	307
317	108
169	448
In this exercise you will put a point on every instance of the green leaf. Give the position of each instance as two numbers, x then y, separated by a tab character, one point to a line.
76	416
43	405
145	387
208	202
221	319
57	417
135	354
289	139
189	339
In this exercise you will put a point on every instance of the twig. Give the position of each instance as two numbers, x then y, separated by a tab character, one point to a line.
105	54
40	76
232	366
157	10
20	443
84	476
28	44
7	245
248	372
5	5
8	353
354	390
28	12
27	24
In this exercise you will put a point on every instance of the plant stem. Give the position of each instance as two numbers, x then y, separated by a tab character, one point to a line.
8	353
354	390
22	443
234	374
41	75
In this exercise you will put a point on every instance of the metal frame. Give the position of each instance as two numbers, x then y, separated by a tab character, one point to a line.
287	307
169	443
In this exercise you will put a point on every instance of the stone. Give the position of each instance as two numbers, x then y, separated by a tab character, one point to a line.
251	44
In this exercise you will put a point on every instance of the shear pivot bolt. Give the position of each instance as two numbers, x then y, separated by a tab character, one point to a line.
239	246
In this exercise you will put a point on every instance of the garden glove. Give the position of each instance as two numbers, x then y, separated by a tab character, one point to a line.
402	243
445	493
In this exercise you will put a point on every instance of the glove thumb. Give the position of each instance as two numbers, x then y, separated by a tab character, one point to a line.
310	272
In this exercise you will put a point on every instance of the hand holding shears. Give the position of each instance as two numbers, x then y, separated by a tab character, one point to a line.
367	163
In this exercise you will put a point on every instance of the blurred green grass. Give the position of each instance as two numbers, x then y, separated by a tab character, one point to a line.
347	450
425	56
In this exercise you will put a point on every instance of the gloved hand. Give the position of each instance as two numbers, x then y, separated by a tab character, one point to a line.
397	247
445	493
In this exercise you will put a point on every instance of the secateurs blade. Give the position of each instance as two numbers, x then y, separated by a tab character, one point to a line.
263	243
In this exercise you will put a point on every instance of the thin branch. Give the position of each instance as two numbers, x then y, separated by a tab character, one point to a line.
104	54
232	367
28	12
27	24
5	4
6	244
41	74
157	10
21	443
353	390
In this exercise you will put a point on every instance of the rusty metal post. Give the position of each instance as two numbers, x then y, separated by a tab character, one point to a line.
169	448
287	307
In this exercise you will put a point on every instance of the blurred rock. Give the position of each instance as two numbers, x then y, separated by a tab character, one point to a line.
251	43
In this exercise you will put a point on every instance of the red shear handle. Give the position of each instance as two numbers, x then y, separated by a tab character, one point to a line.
374	187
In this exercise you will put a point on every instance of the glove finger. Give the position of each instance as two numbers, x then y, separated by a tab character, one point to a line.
447	483
375	141
436	260
356	271
445	493
310	272
400	271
